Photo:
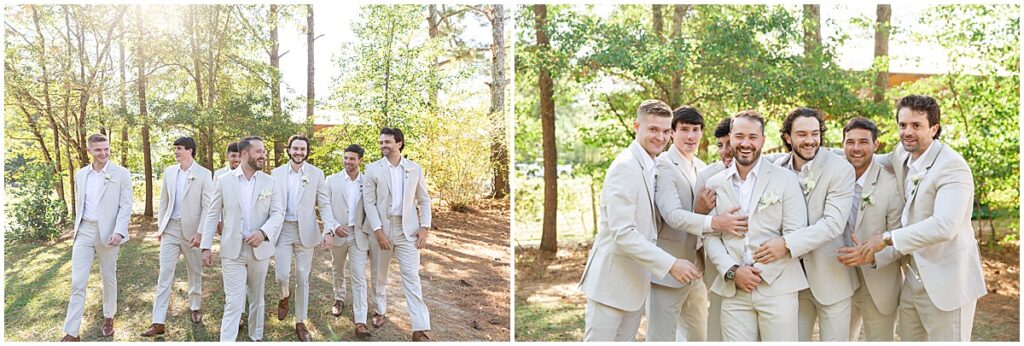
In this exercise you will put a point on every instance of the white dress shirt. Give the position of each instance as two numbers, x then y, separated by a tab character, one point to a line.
294	192
181	181
246	195
95	181
744	191
858	192
397	187
804	170
352	197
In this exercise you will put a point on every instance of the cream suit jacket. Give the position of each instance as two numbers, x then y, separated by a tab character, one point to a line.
336	184
674	195
710	272
377	197
885	278
115	207
267	215
776	208
828	209
939	233
195	203
624	256
220	172
313	196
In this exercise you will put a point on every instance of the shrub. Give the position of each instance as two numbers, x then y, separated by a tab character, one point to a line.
38	213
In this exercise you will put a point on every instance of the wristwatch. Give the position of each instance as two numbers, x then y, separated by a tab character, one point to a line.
731	273
887	238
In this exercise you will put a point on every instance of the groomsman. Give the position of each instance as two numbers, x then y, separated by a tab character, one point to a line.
398	210
678	312
184	201
714	332
351	238
943	273
827	182
304	188
624	257
877	206
759	300
252	208
102	212
233	160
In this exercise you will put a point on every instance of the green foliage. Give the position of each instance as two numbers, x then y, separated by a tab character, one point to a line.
38	214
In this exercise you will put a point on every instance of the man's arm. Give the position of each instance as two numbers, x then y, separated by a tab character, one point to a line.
164	198
955	190
213	217
620	191
423	201
892	217
124	206
838	203
272	228
670	204
323	203
370	200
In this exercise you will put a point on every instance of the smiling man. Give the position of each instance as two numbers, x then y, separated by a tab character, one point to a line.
943	272
827	182
103	209
624	258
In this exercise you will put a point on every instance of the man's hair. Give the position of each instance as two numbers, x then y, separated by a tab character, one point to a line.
309	146
921	103
653	107
188	143
863	124
687	115
355	148
97	138
749	114
246	143
233	147
722	130
787	124
396	134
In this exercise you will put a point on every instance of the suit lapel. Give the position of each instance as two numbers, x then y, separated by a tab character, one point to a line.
931	158
869	187
820	160
637	151
80	187
682	165
763	176
386	172
103	190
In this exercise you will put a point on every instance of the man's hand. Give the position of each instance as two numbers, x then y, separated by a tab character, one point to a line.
220	228
114	240
342	231
771	250
874	245
684	271
207	257
851	256
255	239
747	278
196	239
706	201
328	241
730	223
382	239
421	238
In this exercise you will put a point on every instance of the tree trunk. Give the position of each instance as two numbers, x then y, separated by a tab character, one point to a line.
48	110
275	81
882	15
147	157
658	19
123	99
310	69
812	29
676	89
499	147
549	237
433	32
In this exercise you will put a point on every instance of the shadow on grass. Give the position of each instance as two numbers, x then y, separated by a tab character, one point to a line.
548	322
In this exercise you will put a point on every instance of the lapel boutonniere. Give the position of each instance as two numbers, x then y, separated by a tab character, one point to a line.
915	180
191	178
305	180
407	170
808	184
768	199
108	179
265	194
868	199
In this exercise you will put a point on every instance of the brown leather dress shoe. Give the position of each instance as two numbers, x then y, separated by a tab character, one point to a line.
154	330
69	338
282	308
378	320
301	332
108	327
338	307
420	336
197	317
362	331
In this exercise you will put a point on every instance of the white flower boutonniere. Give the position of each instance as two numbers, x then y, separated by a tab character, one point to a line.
915	180
768	199
191	178
305	180
808	183
868	199
265	194
108	179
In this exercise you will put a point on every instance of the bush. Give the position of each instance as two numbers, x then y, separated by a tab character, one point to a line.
38	214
